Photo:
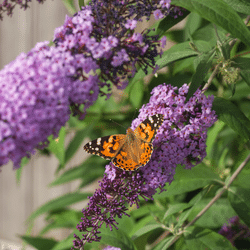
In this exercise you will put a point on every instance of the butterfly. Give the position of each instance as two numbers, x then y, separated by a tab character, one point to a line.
130	151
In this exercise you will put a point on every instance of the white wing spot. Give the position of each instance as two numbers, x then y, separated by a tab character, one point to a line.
96	149
99	141
150	119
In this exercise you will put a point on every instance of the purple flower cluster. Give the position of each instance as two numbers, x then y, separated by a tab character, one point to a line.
109	37
180	140
235	230
9	5
117	189
38	89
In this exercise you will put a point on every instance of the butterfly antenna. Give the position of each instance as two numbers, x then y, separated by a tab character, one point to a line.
136	110
134	115
117	123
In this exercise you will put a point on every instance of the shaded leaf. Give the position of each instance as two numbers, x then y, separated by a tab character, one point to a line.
40	243
189	179
240	201
200	239
59	203
220	13
232	116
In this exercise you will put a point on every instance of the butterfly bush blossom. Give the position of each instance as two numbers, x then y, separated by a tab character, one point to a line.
235	230
40	89
9	5
180	140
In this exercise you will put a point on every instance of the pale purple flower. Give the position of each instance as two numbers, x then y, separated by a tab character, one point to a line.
163	41
111	248
131	24
165	3
110	171
137	37
158	14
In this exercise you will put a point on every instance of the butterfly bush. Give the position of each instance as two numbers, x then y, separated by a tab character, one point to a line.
40	89
9	5
182	137
180	140
235	230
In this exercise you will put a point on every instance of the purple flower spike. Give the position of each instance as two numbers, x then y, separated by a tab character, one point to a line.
36	92
235	230
180	140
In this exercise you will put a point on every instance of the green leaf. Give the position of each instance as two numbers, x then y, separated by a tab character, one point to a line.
144	210
177	52
180	51
186	64
84	172
242	62
77	141
232	116
240	201
210	34
61	219
188	180
220	13
168	22
81	3
136	94
193	23
204	65
243	178
245	74
200	239
66	243
141	223
126	224
25	160
164	244
242	6
194	201
116	238
56	146
146	229
215	216
175	208
70	6
59	203
40	243
212	135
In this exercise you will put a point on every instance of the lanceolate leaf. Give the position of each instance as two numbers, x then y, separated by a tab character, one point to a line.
232	116
220	13
181	51
240	201
205	62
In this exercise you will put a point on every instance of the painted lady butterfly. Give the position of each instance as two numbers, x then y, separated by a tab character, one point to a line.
129	151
